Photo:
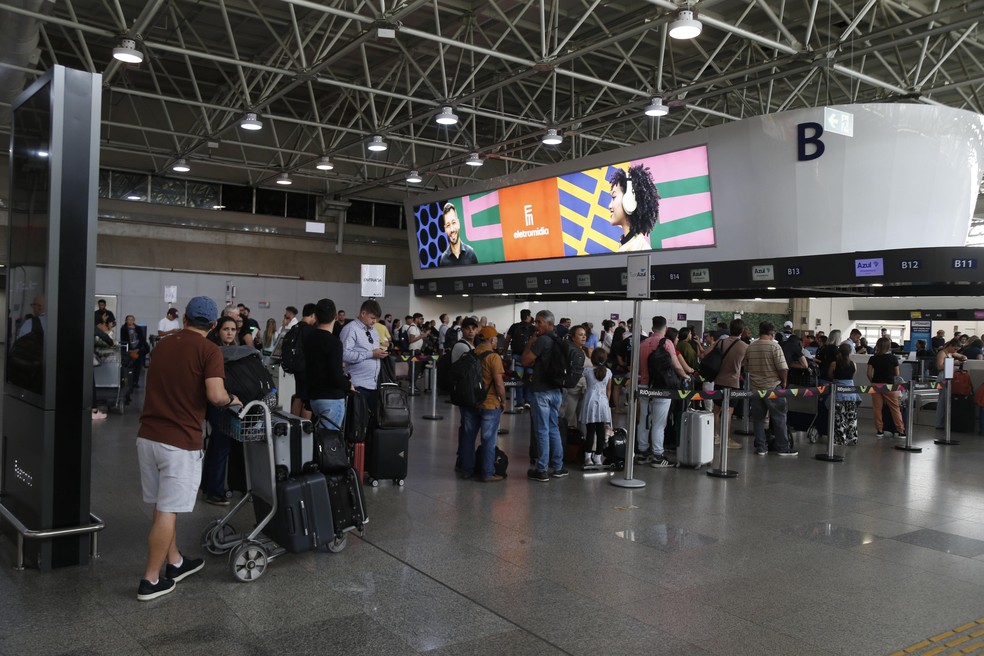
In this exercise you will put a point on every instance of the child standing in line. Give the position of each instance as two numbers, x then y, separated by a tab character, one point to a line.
596	415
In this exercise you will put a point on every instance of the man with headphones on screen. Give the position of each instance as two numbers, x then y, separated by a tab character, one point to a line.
458	252
634	207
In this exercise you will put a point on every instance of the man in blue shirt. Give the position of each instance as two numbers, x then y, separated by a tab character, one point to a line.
361	351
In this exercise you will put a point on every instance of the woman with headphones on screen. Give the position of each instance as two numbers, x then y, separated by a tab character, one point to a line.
634	207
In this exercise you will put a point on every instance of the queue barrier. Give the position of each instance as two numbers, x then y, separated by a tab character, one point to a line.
95	525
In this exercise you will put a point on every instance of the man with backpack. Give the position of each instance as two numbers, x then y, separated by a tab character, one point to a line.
654	411
293	362
728	375
469	329
519	334
479	392
542	353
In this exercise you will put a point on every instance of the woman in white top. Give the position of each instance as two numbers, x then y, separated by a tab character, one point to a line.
596	415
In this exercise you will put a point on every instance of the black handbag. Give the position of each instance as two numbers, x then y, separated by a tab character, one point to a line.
329	450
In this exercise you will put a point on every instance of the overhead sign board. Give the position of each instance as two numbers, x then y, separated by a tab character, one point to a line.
373	280
637	276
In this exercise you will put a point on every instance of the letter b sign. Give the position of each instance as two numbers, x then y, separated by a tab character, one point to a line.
802	141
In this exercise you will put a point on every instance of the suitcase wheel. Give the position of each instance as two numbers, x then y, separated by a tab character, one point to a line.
338	544
373	482
398	481
248	561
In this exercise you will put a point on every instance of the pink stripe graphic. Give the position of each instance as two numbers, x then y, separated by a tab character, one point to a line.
683	164
699	238
480	233
679	207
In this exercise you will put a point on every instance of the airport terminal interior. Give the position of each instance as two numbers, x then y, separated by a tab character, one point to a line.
818	162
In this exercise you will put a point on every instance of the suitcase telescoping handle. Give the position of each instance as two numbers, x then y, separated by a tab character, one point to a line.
303	513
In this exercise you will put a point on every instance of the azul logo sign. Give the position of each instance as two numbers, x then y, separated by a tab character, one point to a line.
698	276
870	267
763	272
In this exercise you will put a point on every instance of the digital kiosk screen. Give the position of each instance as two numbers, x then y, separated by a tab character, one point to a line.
653	203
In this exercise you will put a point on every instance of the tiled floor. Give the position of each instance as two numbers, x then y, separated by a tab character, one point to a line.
796	556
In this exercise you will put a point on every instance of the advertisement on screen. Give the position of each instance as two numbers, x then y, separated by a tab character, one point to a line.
653	203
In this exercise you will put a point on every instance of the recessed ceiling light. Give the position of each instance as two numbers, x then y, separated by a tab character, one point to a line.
657	108
181	166
250	122
706	289
552	137
414	177
771	288
439	296
446	117
324	164
474	160
685	26
218	207
284	179
134	197
376	144
42	153
127	52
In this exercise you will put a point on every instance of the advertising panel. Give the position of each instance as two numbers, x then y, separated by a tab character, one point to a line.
654	203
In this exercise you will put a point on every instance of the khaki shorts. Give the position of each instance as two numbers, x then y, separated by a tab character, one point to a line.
169	476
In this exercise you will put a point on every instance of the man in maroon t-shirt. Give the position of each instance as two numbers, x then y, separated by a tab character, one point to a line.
186	374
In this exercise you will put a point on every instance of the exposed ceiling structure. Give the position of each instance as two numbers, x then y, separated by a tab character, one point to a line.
324	77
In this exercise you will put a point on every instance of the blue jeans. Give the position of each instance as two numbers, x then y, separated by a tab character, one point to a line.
216	454
333	409
777	418
651	430
522	395
473	421
546	418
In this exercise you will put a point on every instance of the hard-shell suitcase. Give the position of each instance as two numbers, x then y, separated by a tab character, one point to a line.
392	410
696	447
293	444
304	519
348	504
387	455
963	413
888	423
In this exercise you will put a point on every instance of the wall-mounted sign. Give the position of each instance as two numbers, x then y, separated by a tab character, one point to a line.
681	316
532	282
614	316
497	284
700	276
909	265
873	266
637	271
763	272
965	263
584	280
432	286
838	122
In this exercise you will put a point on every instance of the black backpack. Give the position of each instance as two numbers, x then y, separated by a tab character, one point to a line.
356	418
451	337
292	351
710	365
467	387
566	364
245	375
499	464
662	374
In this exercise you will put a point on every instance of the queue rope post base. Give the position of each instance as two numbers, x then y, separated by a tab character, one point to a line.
910	424
946	441
829	455
433	416
628	481
746	411
722	470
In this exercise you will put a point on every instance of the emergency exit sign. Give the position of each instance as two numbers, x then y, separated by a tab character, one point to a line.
838	122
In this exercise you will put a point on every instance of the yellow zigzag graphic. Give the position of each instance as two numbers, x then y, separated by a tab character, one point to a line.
593	199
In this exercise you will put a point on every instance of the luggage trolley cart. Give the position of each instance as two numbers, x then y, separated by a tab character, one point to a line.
111	378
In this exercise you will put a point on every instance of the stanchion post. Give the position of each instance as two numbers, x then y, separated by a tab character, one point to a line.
948	395
722	471
413	376
746	407
829	455
433	385
910	423
628	480
512	395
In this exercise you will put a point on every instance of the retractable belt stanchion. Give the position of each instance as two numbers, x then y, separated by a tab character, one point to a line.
946	441
831	428
628	480
433	385
910	423
413	376
746	410
722	471
512	393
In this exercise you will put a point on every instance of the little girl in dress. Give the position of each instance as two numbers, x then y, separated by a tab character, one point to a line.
596	415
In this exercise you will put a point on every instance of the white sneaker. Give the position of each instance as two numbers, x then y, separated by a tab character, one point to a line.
596	459
587	460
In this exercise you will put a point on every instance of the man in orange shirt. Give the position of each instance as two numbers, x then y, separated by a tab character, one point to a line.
486	416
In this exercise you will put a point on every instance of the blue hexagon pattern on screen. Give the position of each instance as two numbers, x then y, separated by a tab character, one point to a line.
431	239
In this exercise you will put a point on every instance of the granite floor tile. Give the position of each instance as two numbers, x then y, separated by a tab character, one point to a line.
360	634
957	545
512	643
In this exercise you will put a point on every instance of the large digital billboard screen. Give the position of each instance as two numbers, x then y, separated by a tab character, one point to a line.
654	203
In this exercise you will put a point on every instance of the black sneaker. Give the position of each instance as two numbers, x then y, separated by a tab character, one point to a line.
560	473
217	501
188	567
660	462
537	475
148	590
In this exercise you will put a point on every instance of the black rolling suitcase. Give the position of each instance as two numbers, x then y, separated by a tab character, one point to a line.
963	413
348	504
888	423
293	444
304	519
387	455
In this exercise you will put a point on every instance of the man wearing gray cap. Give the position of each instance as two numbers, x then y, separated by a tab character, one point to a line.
186	374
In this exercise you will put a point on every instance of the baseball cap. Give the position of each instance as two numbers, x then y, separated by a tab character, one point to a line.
488	332
171	311
469	321
201	308
788	324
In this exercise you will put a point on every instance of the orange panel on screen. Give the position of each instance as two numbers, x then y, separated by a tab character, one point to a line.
530	216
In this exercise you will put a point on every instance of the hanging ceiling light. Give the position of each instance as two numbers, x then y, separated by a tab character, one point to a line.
250	122
284	179
685	26
474	160
414	177
657	108
181	166
552	137
447	117
376	144
324	164
127	52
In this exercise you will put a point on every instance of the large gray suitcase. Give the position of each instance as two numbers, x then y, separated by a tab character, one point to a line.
696	447
293	444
